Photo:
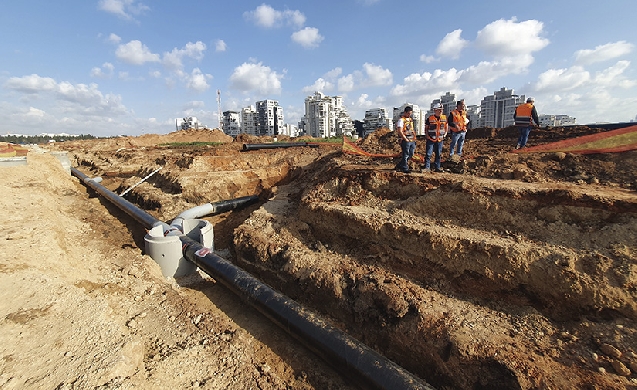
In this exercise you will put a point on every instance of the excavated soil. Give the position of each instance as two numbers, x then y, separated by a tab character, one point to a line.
506	271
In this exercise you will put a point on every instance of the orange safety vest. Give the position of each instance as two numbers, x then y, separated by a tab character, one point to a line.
523	114
458	120
437	128
408	128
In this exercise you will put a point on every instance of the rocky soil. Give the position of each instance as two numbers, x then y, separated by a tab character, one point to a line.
508	270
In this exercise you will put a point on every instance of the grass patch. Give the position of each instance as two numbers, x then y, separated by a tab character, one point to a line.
187	144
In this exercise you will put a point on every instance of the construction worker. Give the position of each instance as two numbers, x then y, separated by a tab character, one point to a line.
525	118
436	130
458	128
407	133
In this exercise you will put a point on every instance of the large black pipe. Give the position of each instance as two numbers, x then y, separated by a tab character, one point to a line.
277	145
348	355
352	358
227	205
138	214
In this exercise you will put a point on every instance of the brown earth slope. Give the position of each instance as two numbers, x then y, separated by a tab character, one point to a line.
506	271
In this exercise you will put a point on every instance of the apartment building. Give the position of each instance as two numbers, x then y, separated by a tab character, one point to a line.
232	123
448	102
249	120
375	119
497	110
556	120
269	117
325	117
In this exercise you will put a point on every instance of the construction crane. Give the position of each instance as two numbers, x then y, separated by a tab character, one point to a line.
219	109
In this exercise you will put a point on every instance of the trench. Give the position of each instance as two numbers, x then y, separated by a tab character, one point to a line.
353	359
424	269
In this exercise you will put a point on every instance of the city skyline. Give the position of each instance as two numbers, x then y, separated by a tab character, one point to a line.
110	67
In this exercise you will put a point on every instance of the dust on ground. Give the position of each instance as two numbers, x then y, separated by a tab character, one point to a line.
505	271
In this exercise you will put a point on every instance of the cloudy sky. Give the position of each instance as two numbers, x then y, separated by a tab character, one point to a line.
110	67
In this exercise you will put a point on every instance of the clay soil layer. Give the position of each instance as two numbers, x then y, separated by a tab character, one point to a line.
504	271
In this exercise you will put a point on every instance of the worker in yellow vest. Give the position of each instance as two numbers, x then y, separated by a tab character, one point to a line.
407	136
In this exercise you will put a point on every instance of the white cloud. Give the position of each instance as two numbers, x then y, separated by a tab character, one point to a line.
451	45
103	72
198	81
614	76
256	77
555	80
125	9
325	83
603	52
67	99
320	85
114	38
509	38
371	76
334	73
35	112
427	59
220	45
363	102
267	17
173	59
308	37
426	83
135	53
31	84
489	71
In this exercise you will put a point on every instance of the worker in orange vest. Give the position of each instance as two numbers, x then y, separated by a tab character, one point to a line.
458	128
435	131
525	117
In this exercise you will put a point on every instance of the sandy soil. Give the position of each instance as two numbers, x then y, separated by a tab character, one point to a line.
506	271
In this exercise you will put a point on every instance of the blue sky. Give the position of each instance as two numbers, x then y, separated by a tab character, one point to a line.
110	67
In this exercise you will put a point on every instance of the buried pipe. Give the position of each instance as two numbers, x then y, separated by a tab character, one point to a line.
277	145
349	356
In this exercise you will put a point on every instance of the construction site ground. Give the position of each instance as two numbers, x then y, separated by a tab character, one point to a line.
504	271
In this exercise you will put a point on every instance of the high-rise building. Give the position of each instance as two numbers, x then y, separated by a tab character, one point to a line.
376	118
249	119
497	110
231	123
269	118
325	116
448	102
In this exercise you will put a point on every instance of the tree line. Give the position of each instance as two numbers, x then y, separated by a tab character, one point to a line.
42	138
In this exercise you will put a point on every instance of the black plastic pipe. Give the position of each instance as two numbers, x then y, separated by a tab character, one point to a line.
352	358
227	205
138	214
277	145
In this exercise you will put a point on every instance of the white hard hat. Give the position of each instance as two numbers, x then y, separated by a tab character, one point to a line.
530	100
437	106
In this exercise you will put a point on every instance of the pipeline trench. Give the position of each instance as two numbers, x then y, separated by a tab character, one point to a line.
505	271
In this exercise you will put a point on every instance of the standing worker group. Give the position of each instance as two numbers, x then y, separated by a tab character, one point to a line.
458	125
436	130
406	132
525	117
